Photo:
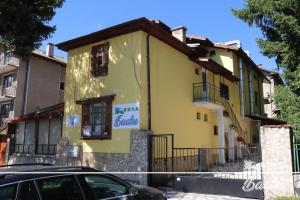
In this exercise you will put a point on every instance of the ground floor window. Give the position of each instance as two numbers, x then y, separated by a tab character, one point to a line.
97	117
38	136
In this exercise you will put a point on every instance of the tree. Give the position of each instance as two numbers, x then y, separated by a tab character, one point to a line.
279	21
25	23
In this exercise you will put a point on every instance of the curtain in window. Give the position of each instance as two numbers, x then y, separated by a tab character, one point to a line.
20	132
43	131
29	136
55	131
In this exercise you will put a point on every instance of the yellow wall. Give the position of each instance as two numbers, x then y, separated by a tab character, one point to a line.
173	111
172	78
126	79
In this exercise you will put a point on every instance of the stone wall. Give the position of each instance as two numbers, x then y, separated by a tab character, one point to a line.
135	161
276	161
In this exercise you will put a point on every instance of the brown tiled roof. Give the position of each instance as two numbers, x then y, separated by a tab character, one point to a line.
201	40
268	121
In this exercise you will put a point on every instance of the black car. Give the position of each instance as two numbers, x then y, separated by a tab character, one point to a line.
71	183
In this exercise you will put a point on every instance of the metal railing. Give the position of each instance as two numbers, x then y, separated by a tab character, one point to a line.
211	93
46	149
9	59
24	148
207	92
208	159
41	149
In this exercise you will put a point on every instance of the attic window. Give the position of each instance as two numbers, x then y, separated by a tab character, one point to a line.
99	61
212	53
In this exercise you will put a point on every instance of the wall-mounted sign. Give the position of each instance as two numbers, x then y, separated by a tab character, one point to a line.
73	120
73	151
126	116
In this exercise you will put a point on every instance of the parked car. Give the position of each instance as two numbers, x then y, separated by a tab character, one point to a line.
71	183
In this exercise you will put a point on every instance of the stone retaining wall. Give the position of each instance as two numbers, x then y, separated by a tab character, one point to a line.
276	161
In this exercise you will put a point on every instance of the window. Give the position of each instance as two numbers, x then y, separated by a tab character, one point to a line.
8	192
5	108
197	71
60	188
8	80
204	80
256	98
62	85
25	137
102	187
198	116
205	117
215	130
99	60
28	191
97	117
224	91
212	53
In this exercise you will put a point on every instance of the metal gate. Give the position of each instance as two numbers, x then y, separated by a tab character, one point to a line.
160	159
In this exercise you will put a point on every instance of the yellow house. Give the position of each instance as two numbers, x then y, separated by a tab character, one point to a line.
141	75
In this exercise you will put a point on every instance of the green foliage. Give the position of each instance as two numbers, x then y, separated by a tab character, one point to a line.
289	105
25	23
279	21
287	198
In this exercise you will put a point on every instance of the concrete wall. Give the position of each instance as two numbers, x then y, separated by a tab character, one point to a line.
43	84
276	161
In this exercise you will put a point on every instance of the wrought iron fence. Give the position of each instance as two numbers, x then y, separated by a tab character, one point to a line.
46	149
207	92
24	148
41	149
237	162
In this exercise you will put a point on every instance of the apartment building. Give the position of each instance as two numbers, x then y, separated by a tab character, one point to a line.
269	88
26	87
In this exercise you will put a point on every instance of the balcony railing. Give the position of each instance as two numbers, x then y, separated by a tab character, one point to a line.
10	91
9	59
207	92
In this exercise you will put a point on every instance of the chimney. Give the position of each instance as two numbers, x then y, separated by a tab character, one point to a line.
180	33
50	50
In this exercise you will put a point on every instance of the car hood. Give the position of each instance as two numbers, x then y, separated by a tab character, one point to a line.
149	193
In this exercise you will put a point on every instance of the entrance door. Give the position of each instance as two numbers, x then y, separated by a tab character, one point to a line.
3	145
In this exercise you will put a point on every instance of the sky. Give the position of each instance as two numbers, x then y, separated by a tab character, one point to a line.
207	18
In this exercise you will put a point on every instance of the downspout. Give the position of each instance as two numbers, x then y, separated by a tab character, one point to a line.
25	89
250	75
148	80
242	95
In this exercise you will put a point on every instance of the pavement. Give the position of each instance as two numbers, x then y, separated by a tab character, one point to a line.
173	195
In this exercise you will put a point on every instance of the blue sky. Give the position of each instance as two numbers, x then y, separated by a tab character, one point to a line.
207	18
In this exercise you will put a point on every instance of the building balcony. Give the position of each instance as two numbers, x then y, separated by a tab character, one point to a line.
8	62
208	96
9	92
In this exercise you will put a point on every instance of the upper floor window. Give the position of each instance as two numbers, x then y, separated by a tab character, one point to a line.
256	98
97	117
8	80
99	60
224	91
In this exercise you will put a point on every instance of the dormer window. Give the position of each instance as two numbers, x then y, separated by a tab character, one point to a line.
99	60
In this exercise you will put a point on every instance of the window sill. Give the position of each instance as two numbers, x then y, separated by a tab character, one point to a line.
96	137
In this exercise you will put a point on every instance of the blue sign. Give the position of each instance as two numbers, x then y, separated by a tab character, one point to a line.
126	116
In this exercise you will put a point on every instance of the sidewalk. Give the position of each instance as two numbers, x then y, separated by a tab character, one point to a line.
172	195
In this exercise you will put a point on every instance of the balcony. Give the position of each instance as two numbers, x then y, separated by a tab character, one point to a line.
208	96
8	62
9	92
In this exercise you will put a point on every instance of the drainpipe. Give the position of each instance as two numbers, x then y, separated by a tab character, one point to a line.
250	74
25	90
148	80
242	95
